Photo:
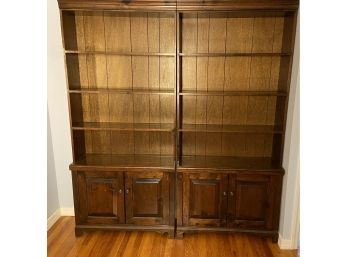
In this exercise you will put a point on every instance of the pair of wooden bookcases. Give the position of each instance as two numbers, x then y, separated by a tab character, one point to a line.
178	112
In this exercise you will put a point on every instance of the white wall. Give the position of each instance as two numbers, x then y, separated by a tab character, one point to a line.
290	196
58	106
52	190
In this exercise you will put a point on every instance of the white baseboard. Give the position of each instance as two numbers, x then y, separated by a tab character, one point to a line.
286	244
57	214
67	212
53	219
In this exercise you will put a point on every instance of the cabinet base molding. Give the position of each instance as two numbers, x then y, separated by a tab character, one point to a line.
164	230
263	233
179	234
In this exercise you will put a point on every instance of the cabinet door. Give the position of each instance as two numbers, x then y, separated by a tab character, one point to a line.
147	198
100	197
204	199
249	201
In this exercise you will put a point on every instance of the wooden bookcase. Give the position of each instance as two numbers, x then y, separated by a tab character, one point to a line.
178	113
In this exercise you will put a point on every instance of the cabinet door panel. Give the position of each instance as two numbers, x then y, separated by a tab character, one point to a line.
204	199
250	205
147	198
101	197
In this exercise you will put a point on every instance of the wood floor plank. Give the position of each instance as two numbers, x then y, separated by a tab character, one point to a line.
179	248
61	242
119	236
202	243
188	245
57	229
146	245
169	248
60	235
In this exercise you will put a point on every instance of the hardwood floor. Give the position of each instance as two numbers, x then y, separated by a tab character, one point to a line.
62	242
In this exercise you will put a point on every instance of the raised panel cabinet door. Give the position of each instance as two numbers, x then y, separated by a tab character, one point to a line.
250	202
101	197
204	199
147	198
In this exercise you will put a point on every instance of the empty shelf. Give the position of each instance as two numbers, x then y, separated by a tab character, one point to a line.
266	129
227	162
115	161
166	127
120	91
232	93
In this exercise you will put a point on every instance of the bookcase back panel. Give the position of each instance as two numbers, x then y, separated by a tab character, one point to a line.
119	31
233	110
123	143
236	32
122	108
256	73
107	71
230	144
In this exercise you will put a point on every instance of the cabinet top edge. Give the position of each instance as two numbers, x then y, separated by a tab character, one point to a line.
178	5
279	171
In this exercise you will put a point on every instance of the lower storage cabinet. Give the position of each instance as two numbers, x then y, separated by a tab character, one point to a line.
228	202
114	198
213	201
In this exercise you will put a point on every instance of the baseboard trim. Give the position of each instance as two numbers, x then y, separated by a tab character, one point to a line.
53	219
57	214
286	244
67	212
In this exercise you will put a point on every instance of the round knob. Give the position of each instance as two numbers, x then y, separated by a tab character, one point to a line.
120	191
224	193
231	193
127	191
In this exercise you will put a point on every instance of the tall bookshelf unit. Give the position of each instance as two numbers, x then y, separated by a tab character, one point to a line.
178	113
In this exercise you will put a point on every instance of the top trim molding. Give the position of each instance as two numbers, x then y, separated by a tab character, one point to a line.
179	5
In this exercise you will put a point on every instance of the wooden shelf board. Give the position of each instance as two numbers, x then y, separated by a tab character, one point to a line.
120	53
116	161
232	93
121	91
227	162
262	129
231	54
166	127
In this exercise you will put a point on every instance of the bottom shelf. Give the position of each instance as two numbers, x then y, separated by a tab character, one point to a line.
136	160
228	162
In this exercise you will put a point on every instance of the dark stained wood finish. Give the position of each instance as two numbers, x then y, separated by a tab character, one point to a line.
147	198
142	5
248	203
190	5
178	114
179	4
252	200
204	199
100	198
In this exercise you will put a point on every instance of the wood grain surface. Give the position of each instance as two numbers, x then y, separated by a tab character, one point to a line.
61	241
